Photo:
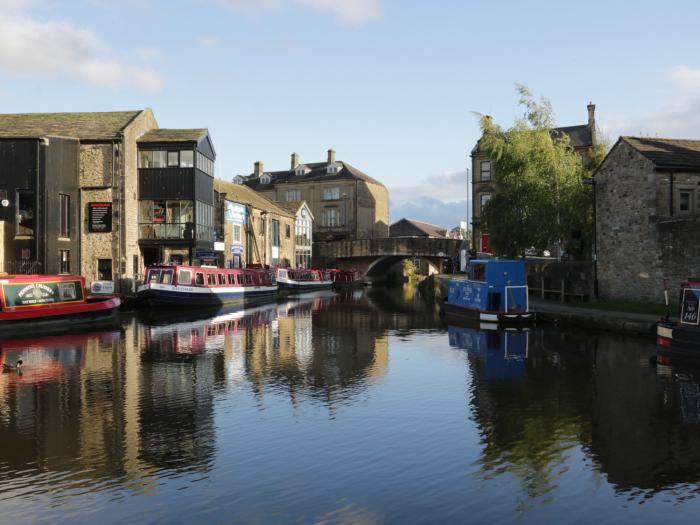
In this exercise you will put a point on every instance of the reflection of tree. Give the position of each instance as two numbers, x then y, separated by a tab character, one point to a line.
527	424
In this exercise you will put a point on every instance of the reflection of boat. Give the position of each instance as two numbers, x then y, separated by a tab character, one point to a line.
187	286
503	351
682	339
48	303
494	292
303	280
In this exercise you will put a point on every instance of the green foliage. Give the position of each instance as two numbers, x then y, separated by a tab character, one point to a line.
539	198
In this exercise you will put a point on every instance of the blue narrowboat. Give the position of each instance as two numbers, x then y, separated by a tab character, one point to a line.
494	291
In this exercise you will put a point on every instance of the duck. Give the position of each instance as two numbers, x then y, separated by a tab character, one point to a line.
10	368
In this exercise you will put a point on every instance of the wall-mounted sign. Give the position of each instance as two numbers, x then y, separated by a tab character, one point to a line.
102	287
689	307
235	213
100	217
237	249
204	254
219	246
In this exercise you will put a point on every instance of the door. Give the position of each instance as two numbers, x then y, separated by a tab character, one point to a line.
151	255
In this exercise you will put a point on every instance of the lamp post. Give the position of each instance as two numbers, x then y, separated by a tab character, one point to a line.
592	182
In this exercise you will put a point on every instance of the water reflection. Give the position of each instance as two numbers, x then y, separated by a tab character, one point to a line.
308	408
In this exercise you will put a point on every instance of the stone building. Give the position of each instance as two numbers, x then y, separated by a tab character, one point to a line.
647	193
303	230
583	140
73	193
346	203
253	229
413	228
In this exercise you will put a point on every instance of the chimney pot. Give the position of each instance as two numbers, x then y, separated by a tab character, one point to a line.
295	160
331	156
258	168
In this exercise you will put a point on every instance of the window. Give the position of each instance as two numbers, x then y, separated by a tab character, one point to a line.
240	278
237	233
153	276
173	159
329	217
176	258
485	169
64	219
161	219
485	198
166	277
159	160
248	279
145	159
184	277
231	279
104	270
26	212
211	279
187	159
199	279
288	231
685	201
331	194
293	195
222	279
64	261
275	232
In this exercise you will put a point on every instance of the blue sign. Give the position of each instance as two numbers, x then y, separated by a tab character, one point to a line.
204	254
237	249
235	213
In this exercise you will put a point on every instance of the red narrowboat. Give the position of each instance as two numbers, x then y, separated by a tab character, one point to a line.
48	303
303	279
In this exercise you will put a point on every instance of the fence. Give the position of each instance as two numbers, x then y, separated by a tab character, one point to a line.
22	267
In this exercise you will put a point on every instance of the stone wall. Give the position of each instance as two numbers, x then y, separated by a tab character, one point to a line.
643	239
378	213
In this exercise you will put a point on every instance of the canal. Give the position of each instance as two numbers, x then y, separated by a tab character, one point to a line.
361	407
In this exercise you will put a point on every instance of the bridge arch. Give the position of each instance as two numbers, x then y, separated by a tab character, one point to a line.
379	268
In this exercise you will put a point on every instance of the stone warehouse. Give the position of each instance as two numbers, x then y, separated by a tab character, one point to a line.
102	194
648	218
347	204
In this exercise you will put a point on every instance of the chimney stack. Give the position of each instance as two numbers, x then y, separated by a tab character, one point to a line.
258	168
331	156
295	160
591	115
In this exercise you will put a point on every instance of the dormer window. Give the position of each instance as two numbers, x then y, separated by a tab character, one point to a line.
238	179
334	168
301	170
265	179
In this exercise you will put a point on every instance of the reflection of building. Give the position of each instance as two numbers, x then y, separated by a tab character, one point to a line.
346	203
254	229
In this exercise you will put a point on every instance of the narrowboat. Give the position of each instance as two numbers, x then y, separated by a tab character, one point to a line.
682	339
494	291
51	303
302	280
202	286
344	278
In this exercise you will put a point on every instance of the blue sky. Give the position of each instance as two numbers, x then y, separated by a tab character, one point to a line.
390	84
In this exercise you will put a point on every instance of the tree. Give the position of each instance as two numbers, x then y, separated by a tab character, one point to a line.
539	199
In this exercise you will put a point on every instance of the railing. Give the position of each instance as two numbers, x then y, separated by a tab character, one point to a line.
22	267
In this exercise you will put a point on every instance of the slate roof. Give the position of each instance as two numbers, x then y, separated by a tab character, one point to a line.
245	195
85	126
580	136
668	154
430	230
174	135
318	171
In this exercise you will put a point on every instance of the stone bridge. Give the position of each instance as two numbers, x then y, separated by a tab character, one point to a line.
374	257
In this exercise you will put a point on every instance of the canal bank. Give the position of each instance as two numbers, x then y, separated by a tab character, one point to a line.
567	314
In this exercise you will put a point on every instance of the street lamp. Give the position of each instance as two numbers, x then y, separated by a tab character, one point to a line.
592	182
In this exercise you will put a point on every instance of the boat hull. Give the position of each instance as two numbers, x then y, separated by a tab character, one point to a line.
64	318
173	296
678	341
304	286
474	315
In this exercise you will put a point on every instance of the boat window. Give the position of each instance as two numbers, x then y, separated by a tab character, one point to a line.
184	277
240	278
477	272
222	279
166	277
199	279
153	276
283	274
248	279
211	279
231	279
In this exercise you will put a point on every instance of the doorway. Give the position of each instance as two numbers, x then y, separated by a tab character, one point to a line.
151	255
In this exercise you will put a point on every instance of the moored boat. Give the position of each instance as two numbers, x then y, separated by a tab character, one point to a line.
303	280
51	303
187	286
495	291
682	339
344	278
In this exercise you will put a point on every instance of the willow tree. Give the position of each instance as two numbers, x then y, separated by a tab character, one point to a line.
539	199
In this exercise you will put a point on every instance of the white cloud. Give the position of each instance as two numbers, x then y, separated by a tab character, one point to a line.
348	12
209	41
685	77
448	186
56	49
148	53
